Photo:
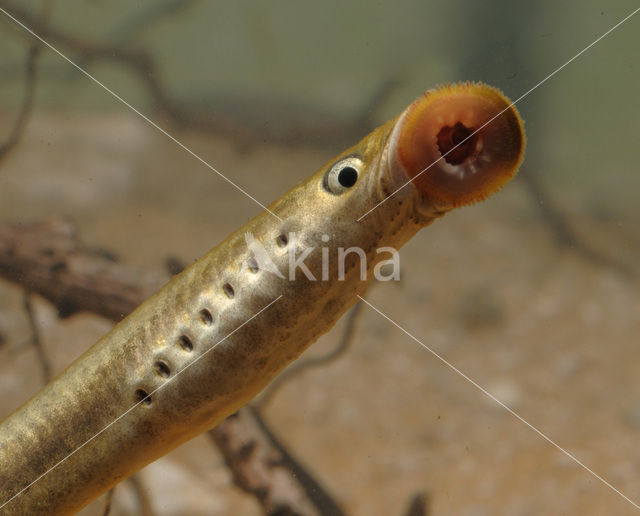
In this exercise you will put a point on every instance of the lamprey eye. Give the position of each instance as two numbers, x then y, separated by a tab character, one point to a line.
343	175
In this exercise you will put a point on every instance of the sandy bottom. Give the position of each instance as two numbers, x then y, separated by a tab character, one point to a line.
550	333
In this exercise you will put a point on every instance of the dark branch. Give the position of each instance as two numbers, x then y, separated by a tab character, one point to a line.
30	81
35	340
239	119
137	59
262	467
49	259
146	17
107	502
564	235
419	505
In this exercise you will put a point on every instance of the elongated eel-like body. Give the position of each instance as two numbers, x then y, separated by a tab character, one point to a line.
129	399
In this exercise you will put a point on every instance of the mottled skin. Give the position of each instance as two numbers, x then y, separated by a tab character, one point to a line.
102	384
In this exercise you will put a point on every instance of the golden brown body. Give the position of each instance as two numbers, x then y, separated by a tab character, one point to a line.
50	461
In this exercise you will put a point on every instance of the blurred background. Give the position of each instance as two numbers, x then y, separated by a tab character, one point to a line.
533	294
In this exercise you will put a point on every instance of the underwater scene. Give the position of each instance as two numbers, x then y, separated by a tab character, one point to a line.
489	366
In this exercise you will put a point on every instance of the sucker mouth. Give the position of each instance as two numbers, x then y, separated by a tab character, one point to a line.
457	144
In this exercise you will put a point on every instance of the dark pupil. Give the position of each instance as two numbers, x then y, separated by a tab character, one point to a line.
347	177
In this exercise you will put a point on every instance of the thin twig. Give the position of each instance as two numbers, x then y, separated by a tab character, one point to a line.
418	506
35	339
107	502
20	123
564	235
238	119
50	260
30	81
144	501
146	17
228	118
314	490
137	59
260	467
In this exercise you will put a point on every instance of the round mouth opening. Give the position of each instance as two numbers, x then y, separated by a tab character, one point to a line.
456	143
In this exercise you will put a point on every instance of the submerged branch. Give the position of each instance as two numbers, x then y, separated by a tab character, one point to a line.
263	467
238	119
49	259
564	235
35	339
243	121
30	81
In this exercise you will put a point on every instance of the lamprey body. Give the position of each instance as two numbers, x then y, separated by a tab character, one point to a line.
134	396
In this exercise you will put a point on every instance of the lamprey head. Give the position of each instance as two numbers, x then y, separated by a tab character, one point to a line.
457	144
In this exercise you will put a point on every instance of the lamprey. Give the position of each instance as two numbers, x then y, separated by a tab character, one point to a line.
216	334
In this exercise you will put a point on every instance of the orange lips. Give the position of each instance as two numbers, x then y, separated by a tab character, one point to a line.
444	132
